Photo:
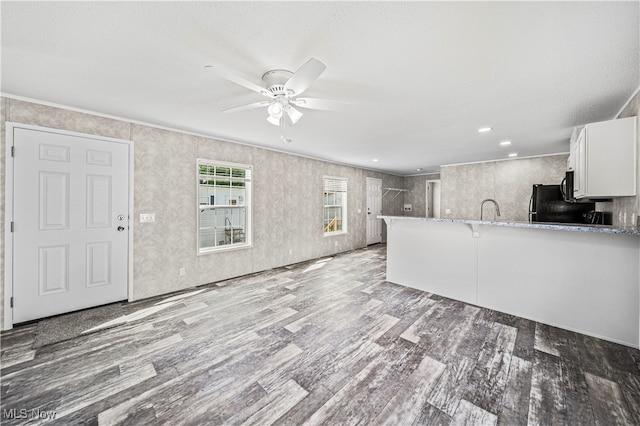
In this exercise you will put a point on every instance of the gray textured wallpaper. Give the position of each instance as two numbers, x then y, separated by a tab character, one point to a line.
416	194
509	182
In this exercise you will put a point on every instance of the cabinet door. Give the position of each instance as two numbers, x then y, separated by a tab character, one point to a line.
580	174
611	158
573	142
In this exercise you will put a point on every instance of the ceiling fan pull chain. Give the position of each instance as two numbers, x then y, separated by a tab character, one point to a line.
284	128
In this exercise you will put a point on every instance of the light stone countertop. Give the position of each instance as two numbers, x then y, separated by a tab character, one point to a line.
604	229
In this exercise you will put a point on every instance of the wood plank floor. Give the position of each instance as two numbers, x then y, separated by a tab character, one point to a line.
326	342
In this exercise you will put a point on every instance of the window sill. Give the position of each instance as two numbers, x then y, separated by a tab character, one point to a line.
203	252
333	234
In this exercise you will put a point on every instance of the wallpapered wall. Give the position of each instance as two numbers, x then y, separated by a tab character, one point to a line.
416	194
287	217
509	182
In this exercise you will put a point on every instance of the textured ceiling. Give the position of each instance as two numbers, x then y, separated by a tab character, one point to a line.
422	77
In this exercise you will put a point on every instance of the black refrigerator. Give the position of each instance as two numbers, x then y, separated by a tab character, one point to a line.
547	205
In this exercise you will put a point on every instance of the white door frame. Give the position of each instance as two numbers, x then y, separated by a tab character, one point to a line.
8	210
379	221
428	201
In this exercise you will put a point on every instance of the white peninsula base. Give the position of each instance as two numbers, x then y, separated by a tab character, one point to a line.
584	279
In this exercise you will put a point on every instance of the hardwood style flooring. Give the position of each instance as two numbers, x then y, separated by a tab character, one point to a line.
326	342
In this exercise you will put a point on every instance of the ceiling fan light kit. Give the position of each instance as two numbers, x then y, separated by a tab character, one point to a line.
282	87
273	120
275	110
294	114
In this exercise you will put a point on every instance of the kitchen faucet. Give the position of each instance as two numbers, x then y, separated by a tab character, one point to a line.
494	202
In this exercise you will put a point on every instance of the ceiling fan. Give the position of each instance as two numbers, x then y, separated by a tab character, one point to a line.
283	87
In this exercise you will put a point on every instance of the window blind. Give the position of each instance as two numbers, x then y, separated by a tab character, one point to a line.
335	185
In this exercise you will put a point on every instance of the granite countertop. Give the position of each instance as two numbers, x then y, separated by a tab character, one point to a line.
605	229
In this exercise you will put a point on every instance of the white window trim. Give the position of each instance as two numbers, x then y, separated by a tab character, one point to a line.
345	228
248	212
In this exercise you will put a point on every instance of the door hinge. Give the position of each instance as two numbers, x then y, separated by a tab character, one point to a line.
12	301
11	226
13	151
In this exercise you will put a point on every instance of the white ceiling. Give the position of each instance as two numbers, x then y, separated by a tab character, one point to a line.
422	77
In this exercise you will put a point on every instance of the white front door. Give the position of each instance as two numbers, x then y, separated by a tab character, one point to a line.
70	214
374	208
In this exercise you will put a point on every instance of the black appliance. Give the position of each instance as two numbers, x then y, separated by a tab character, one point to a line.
547	204
567	186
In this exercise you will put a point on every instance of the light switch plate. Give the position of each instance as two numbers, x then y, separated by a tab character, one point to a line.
147	217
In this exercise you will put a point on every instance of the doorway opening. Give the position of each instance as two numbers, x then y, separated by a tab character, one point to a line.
433	198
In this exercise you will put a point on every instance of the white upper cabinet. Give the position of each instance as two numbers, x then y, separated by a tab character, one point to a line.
571	161
604	159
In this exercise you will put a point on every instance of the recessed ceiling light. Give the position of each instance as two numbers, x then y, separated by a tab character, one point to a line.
505	143
513	154
375	160
484	129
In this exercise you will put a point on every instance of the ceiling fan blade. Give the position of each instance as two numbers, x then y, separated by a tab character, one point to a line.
240	81
248	106
306	74
325	104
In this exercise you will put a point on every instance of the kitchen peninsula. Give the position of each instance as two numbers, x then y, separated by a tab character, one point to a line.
581	278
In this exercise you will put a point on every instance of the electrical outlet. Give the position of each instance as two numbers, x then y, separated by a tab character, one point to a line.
182	271
147	217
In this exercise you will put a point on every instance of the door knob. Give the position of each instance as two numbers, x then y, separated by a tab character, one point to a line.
120	228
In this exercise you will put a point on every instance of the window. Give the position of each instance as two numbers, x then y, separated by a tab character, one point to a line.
224	206
335	205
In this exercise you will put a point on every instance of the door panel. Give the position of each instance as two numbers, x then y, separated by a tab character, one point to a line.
99	201
98	263
53	269
54	201
69	192
374	208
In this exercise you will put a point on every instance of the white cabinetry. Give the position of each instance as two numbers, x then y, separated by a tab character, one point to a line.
604	159
571	161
